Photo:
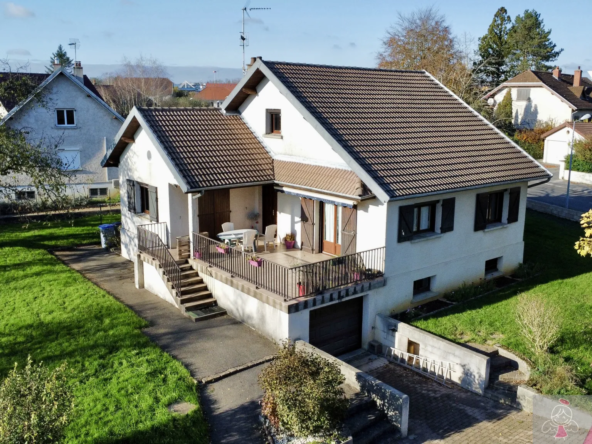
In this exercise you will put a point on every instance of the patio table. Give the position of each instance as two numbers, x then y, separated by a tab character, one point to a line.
234	235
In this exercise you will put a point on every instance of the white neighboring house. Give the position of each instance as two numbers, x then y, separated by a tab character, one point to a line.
396	192
539	96
558	140
73	112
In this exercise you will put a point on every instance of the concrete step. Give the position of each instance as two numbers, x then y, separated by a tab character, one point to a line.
185	267
189	275
200	296
513	377
363	420
206	313
194	288
500	362
181	262
182	255
487	350
381	432
199	305
359	402
186	281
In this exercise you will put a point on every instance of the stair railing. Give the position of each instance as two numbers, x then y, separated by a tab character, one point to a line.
440	371
150	243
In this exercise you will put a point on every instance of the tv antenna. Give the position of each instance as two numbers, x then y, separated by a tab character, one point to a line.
75	43
243	36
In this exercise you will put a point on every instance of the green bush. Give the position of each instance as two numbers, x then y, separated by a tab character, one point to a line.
578	164
583	149
302	393
35	405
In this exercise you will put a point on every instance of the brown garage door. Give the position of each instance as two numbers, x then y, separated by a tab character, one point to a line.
337	329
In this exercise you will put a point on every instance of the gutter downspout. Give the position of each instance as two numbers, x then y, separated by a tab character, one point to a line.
540	183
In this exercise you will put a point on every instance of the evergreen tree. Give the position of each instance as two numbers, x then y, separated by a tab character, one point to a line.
62	56
504	116
494	49
532	47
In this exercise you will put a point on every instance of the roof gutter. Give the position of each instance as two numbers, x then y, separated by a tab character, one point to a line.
540	183
235	185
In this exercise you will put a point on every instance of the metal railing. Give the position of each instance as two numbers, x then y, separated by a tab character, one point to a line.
151	243
291	282
438	370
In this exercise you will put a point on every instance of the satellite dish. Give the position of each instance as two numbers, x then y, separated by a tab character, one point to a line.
491	101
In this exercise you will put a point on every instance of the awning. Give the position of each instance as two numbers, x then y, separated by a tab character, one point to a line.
317	196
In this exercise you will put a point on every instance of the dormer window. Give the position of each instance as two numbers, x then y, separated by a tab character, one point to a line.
274	121
65	117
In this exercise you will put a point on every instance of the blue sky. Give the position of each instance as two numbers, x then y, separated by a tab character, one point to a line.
206	33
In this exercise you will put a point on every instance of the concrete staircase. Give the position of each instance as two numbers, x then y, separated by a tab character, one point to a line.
366	423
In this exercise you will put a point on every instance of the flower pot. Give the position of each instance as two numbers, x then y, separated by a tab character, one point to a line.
301	290
290	244
256	263
357	276
197	254
222	250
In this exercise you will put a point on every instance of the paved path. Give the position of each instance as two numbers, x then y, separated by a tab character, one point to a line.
440	414
206	348
554	193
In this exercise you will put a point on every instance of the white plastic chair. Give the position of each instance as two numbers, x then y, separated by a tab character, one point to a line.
227	226
249	240
270	232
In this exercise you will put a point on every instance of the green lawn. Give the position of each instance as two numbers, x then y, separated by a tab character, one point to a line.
566	281
122	382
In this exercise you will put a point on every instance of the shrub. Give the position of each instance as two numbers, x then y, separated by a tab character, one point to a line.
583	149
35	405
554	379
584	245
530	139
539	322
578	164
469	291
302	393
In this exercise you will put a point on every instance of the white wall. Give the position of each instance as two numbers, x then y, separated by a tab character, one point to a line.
288	217
242	202
543	106
558	145
178	213
142	162
372	220
299	138
154	284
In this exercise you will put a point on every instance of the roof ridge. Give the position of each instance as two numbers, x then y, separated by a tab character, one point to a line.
196	108
362	68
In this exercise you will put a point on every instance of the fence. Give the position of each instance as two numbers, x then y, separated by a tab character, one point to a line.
150	242
291	282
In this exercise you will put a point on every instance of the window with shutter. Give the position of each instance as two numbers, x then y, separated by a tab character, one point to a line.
131	196
448	206
489	209
514	205
406	219
153	199
481	211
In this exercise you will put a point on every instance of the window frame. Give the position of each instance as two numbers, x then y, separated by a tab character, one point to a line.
25	195
489	271
98	192
144	198
417	218
65	117
77	165
273	116
420	287
495	218
519	99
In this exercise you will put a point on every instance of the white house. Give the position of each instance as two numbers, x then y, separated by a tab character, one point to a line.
558	140
539	96
396	192
73	115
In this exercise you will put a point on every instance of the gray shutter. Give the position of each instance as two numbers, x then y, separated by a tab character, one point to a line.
406	223
131	196
514	205
447	215
349	227
481	211
153	203
307	223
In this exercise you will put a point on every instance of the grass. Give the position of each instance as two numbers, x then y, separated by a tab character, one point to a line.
122	382
566	280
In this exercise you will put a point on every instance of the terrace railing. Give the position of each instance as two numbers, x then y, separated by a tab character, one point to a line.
291	282
150	242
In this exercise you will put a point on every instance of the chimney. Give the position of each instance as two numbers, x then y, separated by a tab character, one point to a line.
577	77
56	64
253	60
77	71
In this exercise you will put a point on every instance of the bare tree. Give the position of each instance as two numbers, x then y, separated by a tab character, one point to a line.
539	322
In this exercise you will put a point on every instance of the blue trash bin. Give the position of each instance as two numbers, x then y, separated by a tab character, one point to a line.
108	233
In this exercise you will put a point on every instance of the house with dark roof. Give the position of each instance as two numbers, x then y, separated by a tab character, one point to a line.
540	96
383	188
74	117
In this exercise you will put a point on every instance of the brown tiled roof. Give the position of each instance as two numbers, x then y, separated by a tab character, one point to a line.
581	97
215	91
208	148
7	100
405	130
318	177
582	128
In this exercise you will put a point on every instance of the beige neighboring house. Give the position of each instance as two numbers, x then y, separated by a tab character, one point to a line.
539	96
558	140
74	113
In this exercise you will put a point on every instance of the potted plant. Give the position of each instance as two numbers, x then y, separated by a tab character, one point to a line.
222	248
197	254
255	261
358	273
301	289
290	241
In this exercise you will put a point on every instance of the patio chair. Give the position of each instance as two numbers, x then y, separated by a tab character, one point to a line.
227	226
270	232
249	240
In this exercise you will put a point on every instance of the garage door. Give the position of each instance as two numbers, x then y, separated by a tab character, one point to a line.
337	329
556	151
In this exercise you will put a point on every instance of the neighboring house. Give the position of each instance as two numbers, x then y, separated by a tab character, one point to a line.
74	114
396	192
214	93
539	96
558	140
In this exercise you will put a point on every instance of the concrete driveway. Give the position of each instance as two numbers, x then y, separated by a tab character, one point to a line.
554	192
206	348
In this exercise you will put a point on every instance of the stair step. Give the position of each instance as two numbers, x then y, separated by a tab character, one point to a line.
199	305
358	403
185	266
363	420
181	262
190	289
184	300
515	376
190	280
206	313
189	275
382	431
487	350
500	362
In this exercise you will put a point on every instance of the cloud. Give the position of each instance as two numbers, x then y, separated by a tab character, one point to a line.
352	45
18	51
108	34
12	10
337	47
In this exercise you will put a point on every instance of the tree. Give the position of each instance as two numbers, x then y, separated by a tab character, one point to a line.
584	245
539	322
494	49
62	57
531	45
503	116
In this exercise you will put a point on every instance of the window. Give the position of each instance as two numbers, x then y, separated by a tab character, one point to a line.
523	95
70	159
415	220
65	117
144	199
25	195
491	266
274	121
495	207
422	286
98	192
424	218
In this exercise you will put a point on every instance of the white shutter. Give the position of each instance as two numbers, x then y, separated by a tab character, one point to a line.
70	159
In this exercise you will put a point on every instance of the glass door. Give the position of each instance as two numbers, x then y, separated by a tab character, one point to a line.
331	229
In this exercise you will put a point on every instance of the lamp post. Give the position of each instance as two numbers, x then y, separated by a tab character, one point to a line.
573	135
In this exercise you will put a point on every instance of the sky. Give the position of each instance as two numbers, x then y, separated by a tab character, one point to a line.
189	34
